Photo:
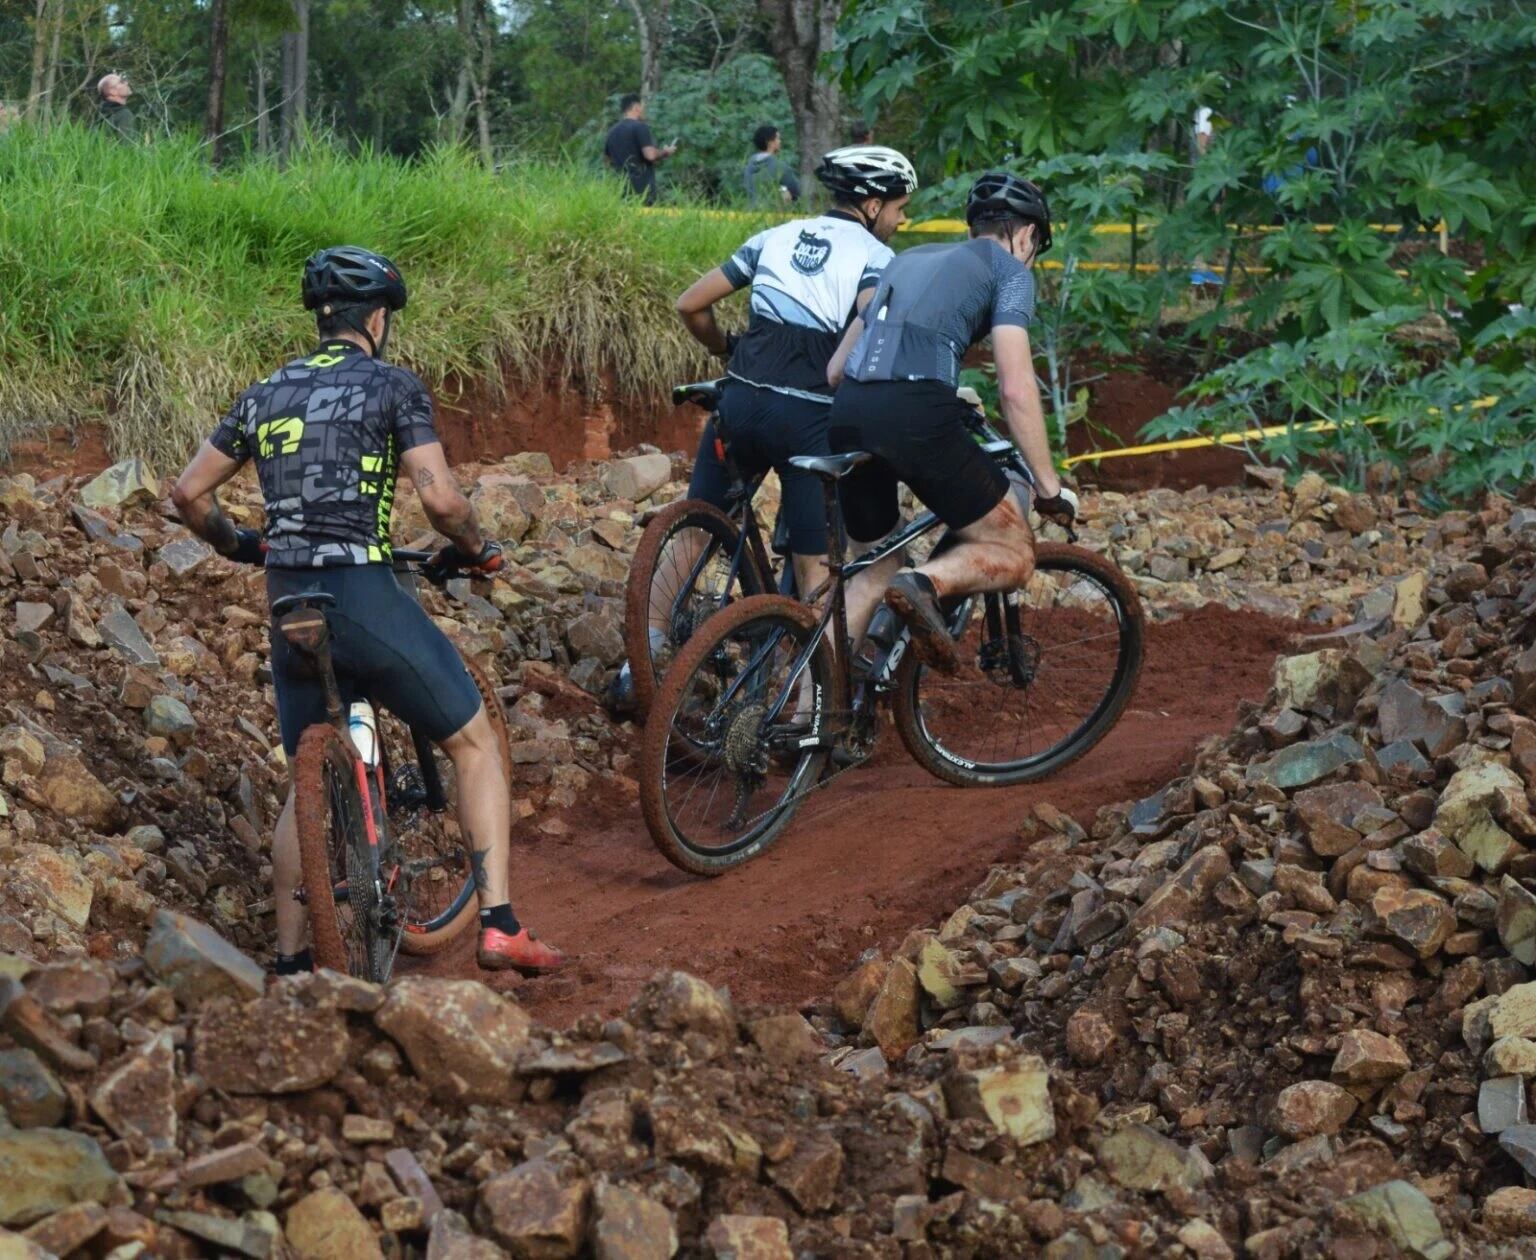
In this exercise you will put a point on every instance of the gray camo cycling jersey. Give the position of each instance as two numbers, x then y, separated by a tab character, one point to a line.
935	302
327	432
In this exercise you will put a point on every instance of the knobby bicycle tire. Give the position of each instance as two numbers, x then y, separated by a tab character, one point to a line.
1049	557
329	811
435	935
653	757
663	527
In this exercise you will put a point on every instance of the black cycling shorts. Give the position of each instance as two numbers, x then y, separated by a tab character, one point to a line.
916	432
766	428
384	648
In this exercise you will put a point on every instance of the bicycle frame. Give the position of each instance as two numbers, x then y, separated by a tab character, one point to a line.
1001	610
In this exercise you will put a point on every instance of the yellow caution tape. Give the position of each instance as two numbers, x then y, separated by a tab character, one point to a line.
1237	439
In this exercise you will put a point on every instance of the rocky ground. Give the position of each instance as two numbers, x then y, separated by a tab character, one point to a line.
1280	1008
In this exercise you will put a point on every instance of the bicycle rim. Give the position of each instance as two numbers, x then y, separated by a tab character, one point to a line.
439	902
1026	704
722	771
690	564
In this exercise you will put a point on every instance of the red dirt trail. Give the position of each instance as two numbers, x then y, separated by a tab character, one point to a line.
881	851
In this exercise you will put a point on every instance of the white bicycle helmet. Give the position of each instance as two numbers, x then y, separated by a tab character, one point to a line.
857	171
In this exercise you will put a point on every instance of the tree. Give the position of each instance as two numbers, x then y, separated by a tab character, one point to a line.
651	26
801	33
295	102
218	68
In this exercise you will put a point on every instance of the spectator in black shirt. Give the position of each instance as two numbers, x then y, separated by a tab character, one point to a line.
861	132
631	148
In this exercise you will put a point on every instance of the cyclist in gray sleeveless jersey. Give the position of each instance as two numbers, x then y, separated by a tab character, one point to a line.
897	369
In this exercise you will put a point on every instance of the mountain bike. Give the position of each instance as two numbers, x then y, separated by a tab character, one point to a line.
693	560
383	864
763	706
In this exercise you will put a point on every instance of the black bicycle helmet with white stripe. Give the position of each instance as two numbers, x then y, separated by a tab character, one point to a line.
857	171
1004	195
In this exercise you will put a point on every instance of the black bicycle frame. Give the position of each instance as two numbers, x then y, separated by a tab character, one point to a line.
1002	612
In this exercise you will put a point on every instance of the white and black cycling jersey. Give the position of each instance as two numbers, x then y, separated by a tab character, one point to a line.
805	276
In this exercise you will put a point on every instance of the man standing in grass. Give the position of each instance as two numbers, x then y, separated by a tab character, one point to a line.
631	149
768	178
112	108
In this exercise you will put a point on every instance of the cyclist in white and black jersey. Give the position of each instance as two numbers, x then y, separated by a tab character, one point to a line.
809	278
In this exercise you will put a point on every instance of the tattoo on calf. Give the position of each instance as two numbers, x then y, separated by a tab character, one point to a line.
477	858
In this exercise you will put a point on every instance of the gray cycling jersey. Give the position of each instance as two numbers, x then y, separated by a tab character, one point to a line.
933	304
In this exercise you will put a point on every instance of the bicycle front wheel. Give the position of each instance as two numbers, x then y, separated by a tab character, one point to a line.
338	864
723	768
1045	673
439	901
689	565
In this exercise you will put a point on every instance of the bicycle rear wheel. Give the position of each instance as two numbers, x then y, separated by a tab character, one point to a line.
721	769
338	864
440	899
1026	704
688	566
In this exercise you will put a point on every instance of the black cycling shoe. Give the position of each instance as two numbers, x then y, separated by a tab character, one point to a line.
912	598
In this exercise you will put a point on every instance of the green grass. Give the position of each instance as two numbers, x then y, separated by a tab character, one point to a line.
141	291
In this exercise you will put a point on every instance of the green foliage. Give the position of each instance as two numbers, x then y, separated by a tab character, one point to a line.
139	291
1366	381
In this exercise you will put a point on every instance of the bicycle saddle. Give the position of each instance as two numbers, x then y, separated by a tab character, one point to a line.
302	599
704	394
831	466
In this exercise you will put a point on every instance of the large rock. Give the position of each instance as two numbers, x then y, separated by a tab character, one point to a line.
748	1238
1404	713
128	483
45	1170
597	634
1016	1099
1479	808
1515	920
1301	764
1140	1158
49	877
74	793
1513	1013
138	1099
1327	815
274	1045
196	963
169	717
30	1095
630	1226
892	1019
680	1004
324	1225
809	1173
637	477
451	1239
462	1039
1510	1212
1401	1213
532	1213
785	1039
1367	1058
1323	682
120	632
1415	918
1183	897
502	513
1309	1108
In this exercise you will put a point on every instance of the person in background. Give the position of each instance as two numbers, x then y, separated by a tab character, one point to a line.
112	107
1200	274
631	149
768	178
861	132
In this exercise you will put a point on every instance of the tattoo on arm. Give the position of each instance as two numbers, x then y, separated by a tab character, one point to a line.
214	527
423	478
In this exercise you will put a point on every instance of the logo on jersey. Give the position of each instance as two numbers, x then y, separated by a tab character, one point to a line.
810	254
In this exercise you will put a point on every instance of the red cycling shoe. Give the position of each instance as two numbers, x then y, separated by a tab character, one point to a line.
523	952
